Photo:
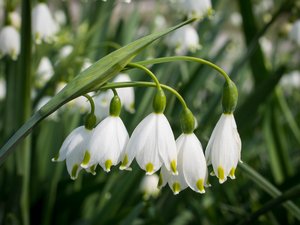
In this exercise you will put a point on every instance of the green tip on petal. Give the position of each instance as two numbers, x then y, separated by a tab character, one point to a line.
92	169
221	175
232	173
176	188
200	186
173	165
74	172
124	163
108	164
55	158
149	168
86	159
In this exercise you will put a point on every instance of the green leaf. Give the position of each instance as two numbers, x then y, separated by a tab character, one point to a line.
95	76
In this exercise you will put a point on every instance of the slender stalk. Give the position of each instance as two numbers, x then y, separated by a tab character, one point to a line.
184	58
90	99
23	102
144	84
153	77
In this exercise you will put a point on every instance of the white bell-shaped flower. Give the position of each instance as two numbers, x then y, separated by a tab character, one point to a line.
73	150
9	42
149	187
44	27
183	40
152	143
126	94
295	32
44	71
192	169
107	144
14	19
194	8
224	148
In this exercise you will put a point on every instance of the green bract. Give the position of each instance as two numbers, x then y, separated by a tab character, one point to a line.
230	97
159	101
187	121
115	106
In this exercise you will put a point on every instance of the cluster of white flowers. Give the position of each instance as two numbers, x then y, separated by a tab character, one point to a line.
44	29
182	163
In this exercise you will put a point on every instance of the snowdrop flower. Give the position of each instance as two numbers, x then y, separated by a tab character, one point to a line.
183	40
152	142
194	8
14	19
295	32
44	27
126	94
44	71
192	169
65	51
224	148
73	149
291	80
148	186
108	141
9	42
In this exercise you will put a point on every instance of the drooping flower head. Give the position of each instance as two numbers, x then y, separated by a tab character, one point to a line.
73	150
295	32
224	147
152	142
149	187
183	40
192	169
9	42
44	71
44	27
193	8
108	141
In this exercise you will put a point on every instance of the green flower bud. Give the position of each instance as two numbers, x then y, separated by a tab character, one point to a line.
115	106
230	97
90	121
187	121
159	101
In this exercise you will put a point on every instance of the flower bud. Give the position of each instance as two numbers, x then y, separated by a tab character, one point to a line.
115	106
159	101
230	97
187	121
90	121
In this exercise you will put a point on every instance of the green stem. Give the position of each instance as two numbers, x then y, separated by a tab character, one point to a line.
269	188
153	77
185	58
92	103
144	84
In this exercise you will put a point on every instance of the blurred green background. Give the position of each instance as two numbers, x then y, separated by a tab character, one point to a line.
249	39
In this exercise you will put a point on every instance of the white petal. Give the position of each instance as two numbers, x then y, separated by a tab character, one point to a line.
166	143
9	42
65	146
142	144
194	164
76	150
